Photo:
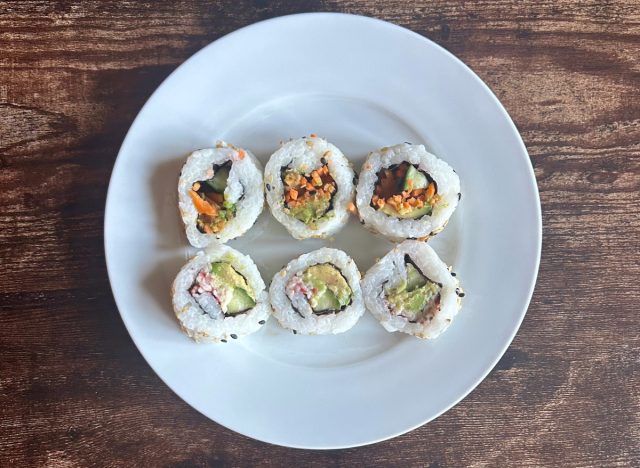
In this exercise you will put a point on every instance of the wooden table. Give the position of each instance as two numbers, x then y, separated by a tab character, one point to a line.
75	391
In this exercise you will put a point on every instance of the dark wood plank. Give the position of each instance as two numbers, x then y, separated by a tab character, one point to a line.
74	391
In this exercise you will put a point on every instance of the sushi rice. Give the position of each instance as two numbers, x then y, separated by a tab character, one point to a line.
390	275
444	186
201	315
306	159
240	199
290	296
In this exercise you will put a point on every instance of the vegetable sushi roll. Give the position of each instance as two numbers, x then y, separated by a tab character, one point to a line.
318	293
219	295
406	192
220	194
411	290
309	185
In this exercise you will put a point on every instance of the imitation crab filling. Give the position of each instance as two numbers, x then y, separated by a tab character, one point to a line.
322	287
221	291
209	200
415	297
308	197
404	191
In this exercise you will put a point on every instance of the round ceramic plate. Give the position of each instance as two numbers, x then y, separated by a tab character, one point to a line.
362	84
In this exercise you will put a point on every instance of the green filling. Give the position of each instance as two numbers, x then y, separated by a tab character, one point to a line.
411	296
219	181
234	287
409	214
312	210
330	290
414	179
212	191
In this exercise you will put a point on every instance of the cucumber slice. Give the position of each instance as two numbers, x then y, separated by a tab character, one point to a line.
414	278
326	301
219	181
240	302
414	179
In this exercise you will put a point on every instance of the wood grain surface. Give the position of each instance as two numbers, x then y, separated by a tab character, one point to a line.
74	391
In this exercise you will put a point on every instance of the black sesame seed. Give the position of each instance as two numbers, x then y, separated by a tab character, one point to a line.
406	142
362	221
224	341
261	322
459	196
453	273
295	332
461	294
234	336
268	187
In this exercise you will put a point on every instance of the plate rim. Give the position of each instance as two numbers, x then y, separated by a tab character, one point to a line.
475	77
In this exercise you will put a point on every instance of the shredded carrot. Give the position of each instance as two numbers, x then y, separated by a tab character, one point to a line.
241	154
313	135
431	190
351	207
202	206
294	194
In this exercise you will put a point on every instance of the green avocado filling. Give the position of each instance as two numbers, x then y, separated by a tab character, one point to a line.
404	191
235	295
214	211
330	291
416	297
308	197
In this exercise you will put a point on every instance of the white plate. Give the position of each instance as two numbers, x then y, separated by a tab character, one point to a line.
362	84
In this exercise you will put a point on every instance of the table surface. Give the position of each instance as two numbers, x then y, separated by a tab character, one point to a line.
75	391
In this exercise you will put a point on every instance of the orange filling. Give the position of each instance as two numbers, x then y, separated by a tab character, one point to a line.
301	189
390	190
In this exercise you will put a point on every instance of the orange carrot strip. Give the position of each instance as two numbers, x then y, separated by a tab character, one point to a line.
201	205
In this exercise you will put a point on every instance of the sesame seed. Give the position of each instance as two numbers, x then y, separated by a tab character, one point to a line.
224	341
295	332
234	336
261	322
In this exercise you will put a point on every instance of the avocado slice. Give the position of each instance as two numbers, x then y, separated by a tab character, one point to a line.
332	292
219	181
415	179
415	279
239	295
413	214
240	302
312	210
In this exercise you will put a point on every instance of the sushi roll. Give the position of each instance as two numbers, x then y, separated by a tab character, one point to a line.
405	192
318	293
219	295
310	186
411	290
220	194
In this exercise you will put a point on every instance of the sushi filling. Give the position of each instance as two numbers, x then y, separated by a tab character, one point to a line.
221	291
404	191
208	197
321	288
416	297
308	197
